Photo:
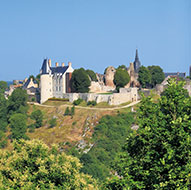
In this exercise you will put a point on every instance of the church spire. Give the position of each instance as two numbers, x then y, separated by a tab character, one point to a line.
137	63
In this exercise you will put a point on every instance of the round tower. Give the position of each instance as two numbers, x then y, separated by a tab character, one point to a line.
45	82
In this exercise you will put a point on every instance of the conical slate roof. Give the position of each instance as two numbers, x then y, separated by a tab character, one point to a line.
136	63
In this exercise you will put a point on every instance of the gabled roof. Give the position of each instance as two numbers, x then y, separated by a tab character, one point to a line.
28	81
59	69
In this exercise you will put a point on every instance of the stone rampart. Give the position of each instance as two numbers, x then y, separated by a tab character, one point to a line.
125	95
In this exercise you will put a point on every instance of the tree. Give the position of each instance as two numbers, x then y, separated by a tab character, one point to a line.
3	113
33	165
18	126
144	76
122	67
92	75
3	86
158	155
17	102
80	81
157	75
121	78
38	117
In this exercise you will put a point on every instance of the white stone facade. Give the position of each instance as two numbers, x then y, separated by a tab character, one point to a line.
54	81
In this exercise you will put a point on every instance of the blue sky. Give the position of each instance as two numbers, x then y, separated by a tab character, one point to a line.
93	34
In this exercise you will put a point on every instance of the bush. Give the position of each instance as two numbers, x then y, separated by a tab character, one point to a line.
92	103
38	117
33	165
31	128
52	122
59	99
77	102
67	111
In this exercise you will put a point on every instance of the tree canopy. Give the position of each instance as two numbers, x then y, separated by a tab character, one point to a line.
121	78
144	76
157	75
33	165
80	81
18	102
92	75
3	86
157	155
18	126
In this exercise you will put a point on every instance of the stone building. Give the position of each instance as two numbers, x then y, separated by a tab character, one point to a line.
54	81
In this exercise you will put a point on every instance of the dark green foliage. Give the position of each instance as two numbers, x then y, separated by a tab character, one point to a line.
92	75
38	117
67	111
92	103
158	156
144	77
3	139
3	86
31	128
77	102
122	67
157	75
3	113
80	81
18	126
72	111
18	102
121	78
109	136
52	122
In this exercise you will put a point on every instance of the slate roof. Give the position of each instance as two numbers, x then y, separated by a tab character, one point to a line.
183	75
45	68
27	83
59	69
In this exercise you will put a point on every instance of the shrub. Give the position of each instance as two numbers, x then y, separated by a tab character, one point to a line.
92	103
52	122
67	111
77	102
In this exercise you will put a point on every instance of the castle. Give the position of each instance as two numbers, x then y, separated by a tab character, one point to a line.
54	81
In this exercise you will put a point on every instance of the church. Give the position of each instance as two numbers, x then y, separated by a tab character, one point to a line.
54	81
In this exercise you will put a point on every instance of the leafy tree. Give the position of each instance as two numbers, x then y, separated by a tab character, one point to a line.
157	75
3	86
98	161
91	74
33	165
144	76
158	155
3	113
122	67
80	81
18	126
121	78
3	139
38	117
17	102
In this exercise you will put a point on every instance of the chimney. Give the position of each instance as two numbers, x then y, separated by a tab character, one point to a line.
62	64
69	64
49	62
56	64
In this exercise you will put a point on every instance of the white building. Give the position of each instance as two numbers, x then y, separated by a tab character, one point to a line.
54	81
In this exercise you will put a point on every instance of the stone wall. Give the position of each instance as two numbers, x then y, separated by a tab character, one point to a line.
124	96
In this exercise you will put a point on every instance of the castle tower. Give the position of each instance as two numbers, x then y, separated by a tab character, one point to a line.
136	63
45	81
